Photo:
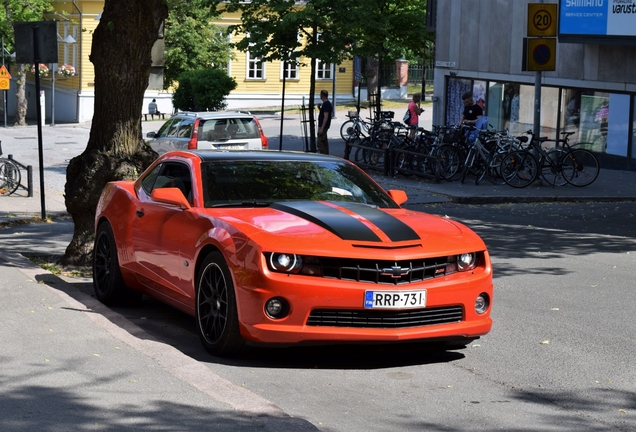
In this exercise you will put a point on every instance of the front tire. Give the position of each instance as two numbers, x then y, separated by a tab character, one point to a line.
108	282
349	130
215	308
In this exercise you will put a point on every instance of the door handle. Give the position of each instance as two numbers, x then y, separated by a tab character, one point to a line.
140	213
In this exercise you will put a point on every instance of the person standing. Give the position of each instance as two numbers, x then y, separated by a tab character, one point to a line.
414	111
472	111
324	121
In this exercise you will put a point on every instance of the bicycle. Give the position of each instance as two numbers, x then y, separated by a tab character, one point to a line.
578	167
10	176
355	127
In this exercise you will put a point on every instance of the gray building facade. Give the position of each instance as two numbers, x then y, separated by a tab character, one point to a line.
479	47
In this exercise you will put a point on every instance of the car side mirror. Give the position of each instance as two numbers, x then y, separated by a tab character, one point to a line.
151	135
399	196
172	196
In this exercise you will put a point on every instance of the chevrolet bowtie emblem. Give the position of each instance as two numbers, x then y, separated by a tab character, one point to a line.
395	272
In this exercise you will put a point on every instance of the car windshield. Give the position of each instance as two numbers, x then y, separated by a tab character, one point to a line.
260	183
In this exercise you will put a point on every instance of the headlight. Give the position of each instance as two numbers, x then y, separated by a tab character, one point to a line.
466	261
462	262
286	263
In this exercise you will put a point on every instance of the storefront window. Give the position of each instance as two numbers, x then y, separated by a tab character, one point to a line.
454	104
600	121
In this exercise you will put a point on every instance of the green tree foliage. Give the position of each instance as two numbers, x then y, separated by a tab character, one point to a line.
287	30
331	31
192	41
389	28
14	11
203	90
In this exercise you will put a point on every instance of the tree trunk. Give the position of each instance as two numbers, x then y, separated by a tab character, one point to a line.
20	97
121	55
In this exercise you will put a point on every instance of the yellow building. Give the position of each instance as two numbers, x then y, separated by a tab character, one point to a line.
260	84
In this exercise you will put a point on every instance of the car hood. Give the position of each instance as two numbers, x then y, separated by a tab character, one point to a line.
320	225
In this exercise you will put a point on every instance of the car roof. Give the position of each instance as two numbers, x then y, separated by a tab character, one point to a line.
264	155
214	114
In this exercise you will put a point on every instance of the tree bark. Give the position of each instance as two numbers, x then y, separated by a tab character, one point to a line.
21	104
121	55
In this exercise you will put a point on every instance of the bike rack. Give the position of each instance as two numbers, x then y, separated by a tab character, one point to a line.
388	167
395	152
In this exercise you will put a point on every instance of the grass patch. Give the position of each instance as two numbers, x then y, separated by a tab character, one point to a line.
52	263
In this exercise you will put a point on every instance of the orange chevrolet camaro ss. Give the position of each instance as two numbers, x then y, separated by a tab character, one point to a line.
285	248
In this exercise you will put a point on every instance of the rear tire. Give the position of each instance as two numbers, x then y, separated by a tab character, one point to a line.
580	167
108	282
10	177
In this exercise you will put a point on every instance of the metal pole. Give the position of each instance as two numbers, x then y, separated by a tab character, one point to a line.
282	109
333	91
536	130
53	70
4	93
36	61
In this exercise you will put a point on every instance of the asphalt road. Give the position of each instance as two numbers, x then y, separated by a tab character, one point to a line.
559	357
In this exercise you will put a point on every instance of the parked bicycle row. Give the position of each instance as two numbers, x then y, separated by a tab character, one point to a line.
457	153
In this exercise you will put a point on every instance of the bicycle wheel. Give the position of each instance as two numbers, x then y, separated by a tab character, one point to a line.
360	155
10	177
450	161
349	130
580	167
552	169
404	161
519	169
493	169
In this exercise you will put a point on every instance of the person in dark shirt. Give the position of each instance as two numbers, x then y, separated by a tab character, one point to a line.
472	111
324	121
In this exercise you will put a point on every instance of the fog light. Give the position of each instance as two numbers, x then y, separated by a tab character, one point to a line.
276	308
481	303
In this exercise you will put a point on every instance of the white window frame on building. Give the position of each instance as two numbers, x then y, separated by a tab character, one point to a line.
324	71
254	68
291	73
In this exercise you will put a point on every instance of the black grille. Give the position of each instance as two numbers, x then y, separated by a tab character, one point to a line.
385	319
383	272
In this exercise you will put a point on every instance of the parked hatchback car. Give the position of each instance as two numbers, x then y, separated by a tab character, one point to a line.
219	130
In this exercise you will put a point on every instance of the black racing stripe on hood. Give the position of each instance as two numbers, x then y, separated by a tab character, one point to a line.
394	228
336	221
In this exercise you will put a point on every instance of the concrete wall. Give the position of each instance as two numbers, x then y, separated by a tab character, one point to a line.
484	40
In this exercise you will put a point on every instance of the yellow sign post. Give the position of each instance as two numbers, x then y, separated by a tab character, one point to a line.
542	20
541	54
5	78
541	42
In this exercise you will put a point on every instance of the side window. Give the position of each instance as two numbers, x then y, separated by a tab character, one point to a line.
174	127
185	128
175	174
148	182
166	126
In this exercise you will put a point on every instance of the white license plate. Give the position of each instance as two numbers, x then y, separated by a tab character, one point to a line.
230	147
394	299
